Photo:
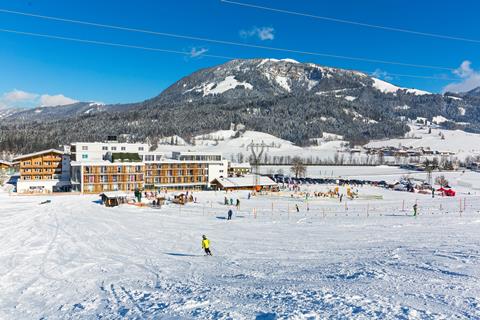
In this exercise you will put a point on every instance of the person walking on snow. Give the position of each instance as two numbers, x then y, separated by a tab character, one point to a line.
415	210
206	245
238	204
296	206
230	213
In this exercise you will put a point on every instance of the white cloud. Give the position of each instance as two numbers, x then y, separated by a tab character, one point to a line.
47	100
23	99
380	74
263	33
197	52
469	79
18	95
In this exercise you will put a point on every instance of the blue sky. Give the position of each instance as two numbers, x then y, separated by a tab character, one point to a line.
38	71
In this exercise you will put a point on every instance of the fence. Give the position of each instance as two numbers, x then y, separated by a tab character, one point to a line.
287	209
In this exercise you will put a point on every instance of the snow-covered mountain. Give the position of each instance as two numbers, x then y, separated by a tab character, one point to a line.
261	77
294	101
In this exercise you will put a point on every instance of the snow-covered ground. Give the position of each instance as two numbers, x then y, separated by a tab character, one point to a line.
461	142
363	259
232	143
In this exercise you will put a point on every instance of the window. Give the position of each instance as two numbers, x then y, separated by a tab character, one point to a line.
105	148
123	148
114	148
140	148
84	148
84	156
119	169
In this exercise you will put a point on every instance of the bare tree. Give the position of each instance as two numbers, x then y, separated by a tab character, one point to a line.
298	167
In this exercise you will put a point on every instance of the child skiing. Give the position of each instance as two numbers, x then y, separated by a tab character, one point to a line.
230	213
206	245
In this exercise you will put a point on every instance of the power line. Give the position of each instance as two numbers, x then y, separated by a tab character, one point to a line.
122	45
104	43
239	44
356	23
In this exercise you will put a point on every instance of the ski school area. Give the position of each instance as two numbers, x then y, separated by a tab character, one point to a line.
299	253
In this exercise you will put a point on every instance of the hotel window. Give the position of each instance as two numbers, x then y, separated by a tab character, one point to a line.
104	148
103	169
91	179
140	148
84	148
123	148
84	156
119	169
158	157
114	179
27	163
114	148
87	169
103	178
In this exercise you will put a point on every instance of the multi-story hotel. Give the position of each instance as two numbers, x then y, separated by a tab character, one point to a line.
112	166
184	170
44	171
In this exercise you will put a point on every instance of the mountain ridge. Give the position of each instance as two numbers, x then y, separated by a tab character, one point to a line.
292	100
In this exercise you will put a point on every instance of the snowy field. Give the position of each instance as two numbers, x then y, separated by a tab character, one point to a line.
360	259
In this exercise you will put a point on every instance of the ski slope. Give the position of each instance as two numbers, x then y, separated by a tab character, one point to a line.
75	259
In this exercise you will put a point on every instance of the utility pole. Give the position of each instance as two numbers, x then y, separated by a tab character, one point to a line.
257	150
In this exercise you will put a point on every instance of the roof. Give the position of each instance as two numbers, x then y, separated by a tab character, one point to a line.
125	157
8	163
240	165
245	181
104	163
23	156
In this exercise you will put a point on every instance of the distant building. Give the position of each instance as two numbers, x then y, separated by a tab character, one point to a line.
5	166
43	172
239	169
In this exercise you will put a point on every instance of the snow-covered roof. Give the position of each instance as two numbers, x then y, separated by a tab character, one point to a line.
240	165
245	181
8	163
23	156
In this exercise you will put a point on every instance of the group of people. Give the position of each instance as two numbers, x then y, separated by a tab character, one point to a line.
230	202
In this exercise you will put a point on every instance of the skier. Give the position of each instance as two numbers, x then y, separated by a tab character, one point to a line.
238	204
230	213
296	206
341	198
206	245
433	192
249	195
415	210
231	201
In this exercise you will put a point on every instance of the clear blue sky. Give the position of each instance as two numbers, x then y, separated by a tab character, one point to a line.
107	74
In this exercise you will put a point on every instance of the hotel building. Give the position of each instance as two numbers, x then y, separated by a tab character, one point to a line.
43	172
